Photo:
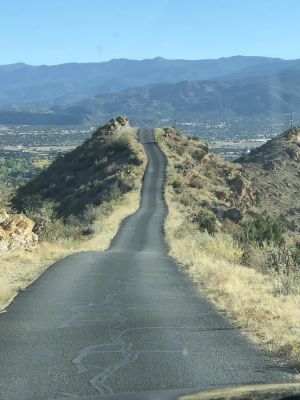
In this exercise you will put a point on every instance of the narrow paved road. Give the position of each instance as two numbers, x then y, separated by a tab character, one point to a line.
125	320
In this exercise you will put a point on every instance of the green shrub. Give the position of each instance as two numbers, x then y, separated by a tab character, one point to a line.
49	227
118	144
177	183
56	229
206	221
262	230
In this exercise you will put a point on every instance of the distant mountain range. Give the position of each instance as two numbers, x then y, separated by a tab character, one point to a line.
148	90
43	86
188	100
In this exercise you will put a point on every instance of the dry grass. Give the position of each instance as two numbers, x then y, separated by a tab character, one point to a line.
21	267
250	298
243	293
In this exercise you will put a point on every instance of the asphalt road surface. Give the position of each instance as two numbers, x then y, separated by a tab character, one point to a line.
124	320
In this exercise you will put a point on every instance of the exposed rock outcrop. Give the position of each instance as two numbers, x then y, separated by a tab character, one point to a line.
115	126
116	123
241	188
16	231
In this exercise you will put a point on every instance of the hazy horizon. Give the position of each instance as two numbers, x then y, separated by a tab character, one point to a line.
152	58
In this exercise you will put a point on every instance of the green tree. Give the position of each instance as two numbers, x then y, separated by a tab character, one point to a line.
262	229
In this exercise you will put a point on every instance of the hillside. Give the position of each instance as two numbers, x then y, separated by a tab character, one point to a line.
202	181
234	229
101	169
274	170
43	86
266	181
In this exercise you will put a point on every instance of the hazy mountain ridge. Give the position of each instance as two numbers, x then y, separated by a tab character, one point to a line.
277	94
25	85
73	93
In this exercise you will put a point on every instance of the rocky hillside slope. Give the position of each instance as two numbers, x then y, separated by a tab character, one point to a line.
264	182
274	170
203	180
101	169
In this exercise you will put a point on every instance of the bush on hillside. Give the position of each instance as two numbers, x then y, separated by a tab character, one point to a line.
262	230
49	227
177	184
118	144
206	221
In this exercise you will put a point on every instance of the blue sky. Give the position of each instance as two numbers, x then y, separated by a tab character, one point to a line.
57	31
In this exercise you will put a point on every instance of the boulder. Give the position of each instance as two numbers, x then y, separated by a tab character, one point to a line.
113	126
122	120
241	188
16	231
116	123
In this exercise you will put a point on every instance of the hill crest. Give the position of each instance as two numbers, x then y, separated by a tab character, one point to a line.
281	149
101	169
